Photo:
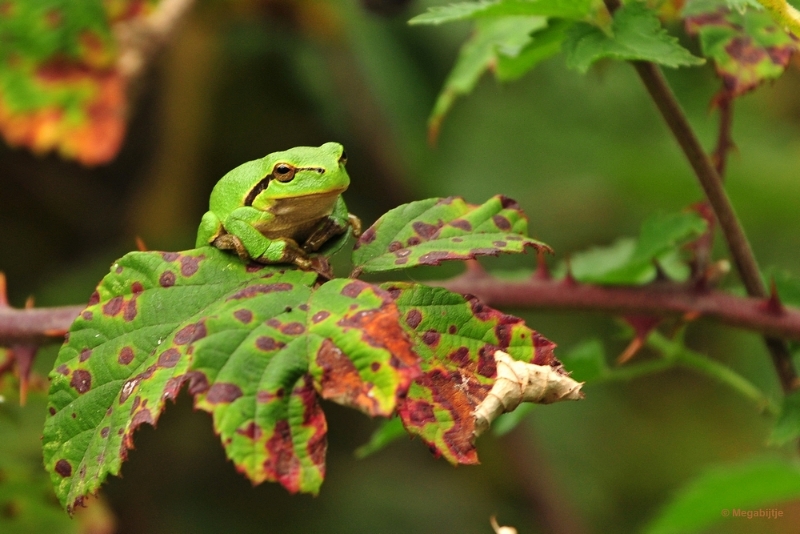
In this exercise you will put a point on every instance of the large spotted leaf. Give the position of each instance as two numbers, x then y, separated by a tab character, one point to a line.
456	338
256	344
59	84
748	47
430	231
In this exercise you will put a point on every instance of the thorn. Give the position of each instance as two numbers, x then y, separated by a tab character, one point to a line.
3	294
24	355
631	350
773	304
569	280
55	332
542	270
474	269
140	244
642	326
29	302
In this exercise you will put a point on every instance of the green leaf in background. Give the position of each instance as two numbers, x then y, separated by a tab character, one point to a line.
748	47
629	261
586	361
511	420
491	39
256	345
430	231
456	338
27	502
719	495
571	9
544	44
787	428
59	84
635	35
387	432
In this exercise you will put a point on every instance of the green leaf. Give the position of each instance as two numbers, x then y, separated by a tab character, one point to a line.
635	35
430	231
630	261
256	345
491	39
573	9
787	428
26	496
509	421
748	47
456	338
727	494
59	83
586	361
543	45
389	431
788	287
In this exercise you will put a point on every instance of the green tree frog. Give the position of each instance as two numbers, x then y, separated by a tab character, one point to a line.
281	207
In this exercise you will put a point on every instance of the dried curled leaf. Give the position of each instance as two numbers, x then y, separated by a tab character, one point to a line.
519	382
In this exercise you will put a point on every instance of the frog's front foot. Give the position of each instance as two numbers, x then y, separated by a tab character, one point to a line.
231	242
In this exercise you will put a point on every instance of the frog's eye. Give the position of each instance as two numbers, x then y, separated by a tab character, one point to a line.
283	172
343	158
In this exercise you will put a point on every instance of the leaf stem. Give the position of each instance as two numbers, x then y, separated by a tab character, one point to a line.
711	183
722	373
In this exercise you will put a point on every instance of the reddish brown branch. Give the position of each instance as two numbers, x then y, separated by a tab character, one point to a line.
663	299
36	326
711	183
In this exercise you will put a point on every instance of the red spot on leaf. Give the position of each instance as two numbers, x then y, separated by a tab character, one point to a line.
169	358
167	279
130	310
425	230
487	366
293	329
501	222
375	366
85	354
63	468
508	203
461	224
417	413
87	315
413	318
243	315
104	432
125	356
252	431
395	245
353	289
190	265
63	369
113	306
320	316
190	333
366	238
223	392
460	356
252	291
51	410
269	344
431	338
94	299
170	256
81	381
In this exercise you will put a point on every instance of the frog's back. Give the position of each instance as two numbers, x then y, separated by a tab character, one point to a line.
232	189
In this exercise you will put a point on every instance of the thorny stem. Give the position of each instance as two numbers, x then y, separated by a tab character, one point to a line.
665	299
710	181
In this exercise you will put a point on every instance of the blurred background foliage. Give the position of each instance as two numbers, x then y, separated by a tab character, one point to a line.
587	157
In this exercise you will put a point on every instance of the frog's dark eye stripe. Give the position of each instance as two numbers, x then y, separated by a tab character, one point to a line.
258	188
